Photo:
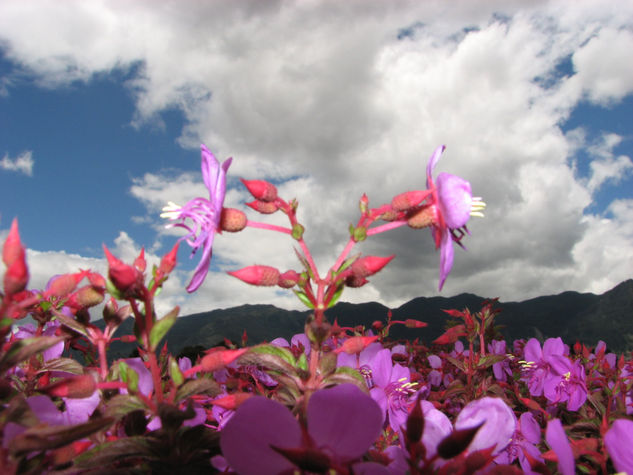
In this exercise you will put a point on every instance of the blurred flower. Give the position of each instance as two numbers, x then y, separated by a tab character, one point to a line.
499	423
204	214
557	440
342	423
618	442
501	369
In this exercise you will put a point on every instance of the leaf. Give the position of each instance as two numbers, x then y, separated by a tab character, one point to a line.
337	295
451	335
198	386
62	364
304	298
488	360
277	357
24	349
174	372
106	454
44	438
459	364
72	324
345	374
161	327
122	404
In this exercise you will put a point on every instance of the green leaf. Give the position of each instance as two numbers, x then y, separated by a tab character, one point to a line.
345	374
327	365
23	349
266	349
198	386
488	360
113	291
129	376
122	404
337	295
459	364
302	362
161	327
72	324
304	298
67	365
109	453
174	372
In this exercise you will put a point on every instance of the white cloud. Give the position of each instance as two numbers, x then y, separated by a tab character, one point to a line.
23	163
326	96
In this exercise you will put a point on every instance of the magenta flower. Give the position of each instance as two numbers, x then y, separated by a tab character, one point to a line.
618	442
557	440
537	370
453	204
203	213
571	387
342	423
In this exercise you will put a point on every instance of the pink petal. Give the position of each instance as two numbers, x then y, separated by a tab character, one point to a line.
557	440
455	199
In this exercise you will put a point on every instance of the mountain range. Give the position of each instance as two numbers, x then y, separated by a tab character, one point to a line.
574	316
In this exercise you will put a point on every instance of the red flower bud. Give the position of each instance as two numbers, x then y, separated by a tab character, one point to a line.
410	199
124	277
263	207
219	359
87	296
261	190
14	256
288	279
257	275
77	387
232	220
355	344
425	216
369	265
231	401
62	285
168	262
411	323
140	262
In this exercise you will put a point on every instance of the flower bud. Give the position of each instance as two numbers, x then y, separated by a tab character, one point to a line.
410	199
232	220
76	387
425	216
140	263
231	401
168	262
14	256
124	277
219	359
257	275
369	265
411	323
288	279
13	249
355	281
87	296
62	285
263	207
261	190
457	441
355	344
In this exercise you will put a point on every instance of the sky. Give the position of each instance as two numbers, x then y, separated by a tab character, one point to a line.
104	105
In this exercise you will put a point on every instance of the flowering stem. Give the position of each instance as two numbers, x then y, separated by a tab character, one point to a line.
385	227
270	227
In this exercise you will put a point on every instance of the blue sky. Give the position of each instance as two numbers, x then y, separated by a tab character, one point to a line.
101	121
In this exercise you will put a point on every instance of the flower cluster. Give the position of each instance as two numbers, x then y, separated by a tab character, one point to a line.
330	400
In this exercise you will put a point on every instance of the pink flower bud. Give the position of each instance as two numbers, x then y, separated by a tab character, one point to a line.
76	387
426	216
257	275
355	344
86	296
140	262
411	323
231	401
288	279
406	201
369	265
261	190
263	207
124	277
219	359
232	220
168	262
14	256
62	285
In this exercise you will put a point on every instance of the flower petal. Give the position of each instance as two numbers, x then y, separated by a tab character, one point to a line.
344	419
431	165
498	428
618	442
200	273
446	256
455	199
210	167
557	440
255	426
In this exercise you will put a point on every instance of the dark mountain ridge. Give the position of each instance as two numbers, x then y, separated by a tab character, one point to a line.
585	317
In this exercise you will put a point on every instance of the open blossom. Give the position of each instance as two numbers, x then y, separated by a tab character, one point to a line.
204	214
452	204
260	424
618	442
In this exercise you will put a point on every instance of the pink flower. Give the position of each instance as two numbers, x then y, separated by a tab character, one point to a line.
204	214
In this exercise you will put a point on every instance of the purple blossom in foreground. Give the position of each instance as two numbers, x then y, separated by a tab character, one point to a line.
618	440
557	440
524	441
571	387
204	214
537	371
342	423
453	204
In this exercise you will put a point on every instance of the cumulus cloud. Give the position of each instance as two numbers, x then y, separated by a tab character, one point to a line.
23	163
331	100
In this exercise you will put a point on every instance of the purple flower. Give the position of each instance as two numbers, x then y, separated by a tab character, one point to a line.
453	204
502	369
557	440
537	370
342	423
524	441
618	442
499	423
204	214
571	387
